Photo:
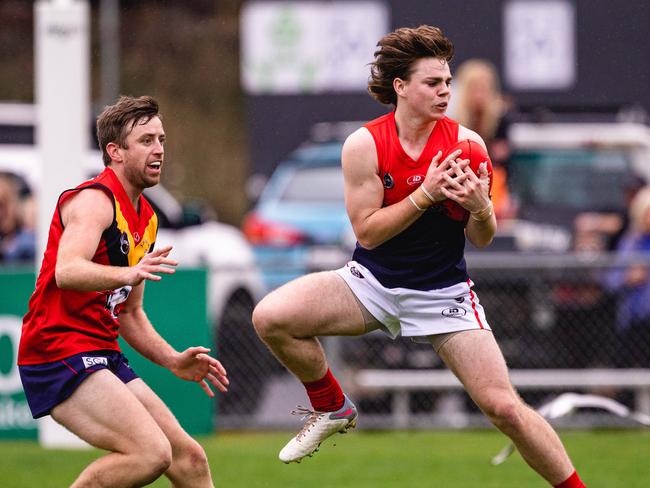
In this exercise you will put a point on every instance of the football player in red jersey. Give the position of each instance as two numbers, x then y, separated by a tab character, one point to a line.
408	274
90	289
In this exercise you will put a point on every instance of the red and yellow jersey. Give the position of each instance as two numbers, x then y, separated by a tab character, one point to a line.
428	254
60	323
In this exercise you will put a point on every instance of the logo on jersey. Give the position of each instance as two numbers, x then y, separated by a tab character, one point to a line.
388	181
459	299
89	362
414	180
116	298
454	312
125	247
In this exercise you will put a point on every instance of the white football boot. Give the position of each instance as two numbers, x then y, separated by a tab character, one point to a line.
319	426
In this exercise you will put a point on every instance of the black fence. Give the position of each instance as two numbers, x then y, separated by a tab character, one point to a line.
547	312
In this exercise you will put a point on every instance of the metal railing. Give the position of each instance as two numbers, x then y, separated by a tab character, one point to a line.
548	312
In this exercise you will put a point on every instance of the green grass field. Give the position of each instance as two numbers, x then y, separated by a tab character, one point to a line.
607	459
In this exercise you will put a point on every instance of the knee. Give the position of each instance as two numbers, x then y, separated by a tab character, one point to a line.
156	458
192	462
265	320
506	412
197	460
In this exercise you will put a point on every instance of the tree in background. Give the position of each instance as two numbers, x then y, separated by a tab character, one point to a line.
184	54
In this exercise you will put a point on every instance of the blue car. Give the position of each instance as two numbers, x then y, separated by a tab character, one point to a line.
299	223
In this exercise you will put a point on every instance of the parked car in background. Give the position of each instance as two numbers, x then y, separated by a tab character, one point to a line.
299	223
560	170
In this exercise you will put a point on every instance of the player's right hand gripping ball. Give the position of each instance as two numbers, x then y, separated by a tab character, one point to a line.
473	151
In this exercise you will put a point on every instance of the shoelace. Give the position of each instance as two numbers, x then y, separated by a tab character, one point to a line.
311	416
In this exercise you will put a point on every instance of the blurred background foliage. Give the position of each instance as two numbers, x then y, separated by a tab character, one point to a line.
186	54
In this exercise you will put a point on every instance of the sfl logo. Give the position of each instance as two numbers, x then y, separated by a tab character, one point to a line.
89	362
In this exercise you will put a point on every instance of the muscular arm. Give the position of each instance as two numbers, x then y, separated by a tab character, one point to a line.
479	232
364	193
85	216
137	330
193	364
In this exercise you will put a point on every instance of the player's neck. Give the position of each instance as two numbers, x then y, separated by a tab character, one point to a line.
131	191
411	128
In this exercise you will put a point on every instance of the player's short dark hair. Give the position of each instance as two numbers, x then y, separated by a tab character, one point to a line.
398	52
116	122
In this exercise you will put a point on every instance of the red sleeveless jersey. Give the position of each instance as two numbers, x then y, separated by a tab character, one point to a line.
399	172
61	323
429	253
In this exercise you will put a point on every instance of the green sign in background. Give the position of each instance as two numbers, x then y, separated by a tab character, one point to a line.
16	286
177	308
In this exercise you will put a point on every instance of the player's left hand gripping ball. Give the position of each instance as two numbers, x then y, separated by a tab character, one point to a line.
473	151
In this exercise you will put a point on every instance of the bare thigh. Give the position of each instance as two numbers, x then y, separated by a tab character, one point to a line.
475	358
317	304
106	414
165	419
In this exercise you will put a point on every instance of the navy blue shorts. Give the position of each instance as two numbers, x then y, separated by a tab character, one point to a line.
48	384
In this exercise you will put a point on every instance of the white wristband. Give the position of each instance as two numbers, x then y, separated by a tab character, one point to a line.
427	194
483	215
416	205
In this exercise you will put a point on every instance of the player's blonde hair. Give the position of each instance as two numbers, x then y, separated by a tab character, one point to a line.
468	74
398	52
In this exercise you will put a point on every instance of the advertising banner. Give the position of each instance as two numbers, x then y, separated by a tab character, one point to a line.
16	420
309	47
177	308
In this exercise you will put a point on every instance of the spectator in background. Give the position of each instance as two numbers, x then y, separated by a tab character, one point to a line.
631	281
591	303
17	240
479	105
602	231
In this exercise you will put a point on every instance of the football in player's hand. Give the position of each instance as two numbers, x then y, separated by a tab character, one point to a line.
473	151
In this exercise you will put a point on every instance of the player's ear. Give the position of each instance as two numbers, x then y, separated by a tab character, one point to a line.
399	85
113	150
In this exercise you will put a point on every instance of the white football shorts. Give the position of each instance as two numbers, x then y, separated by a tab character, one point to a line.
416	313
